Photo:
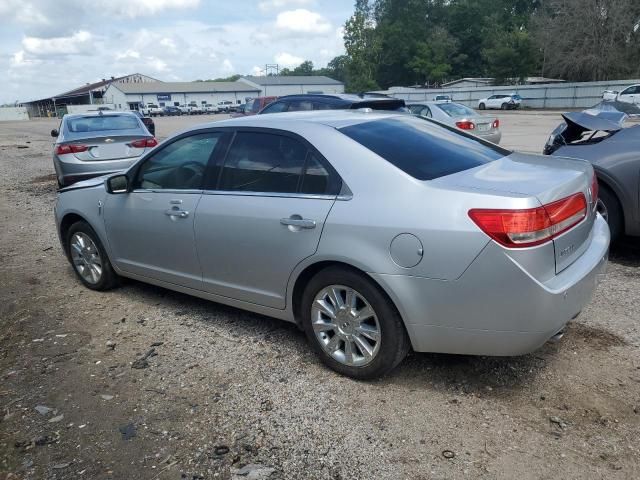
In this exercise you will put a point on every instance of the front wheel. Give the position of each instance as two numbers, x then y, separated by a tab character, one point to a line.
352	325
505	106
89	259
482	106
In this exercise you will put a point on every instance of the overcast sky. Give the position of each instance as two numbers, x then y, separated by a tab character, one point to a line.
51	46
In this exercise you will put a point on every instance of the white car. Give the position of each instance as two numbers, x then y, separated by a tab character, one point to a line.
501	102
225	106
185	109
152	110
630	94
208	108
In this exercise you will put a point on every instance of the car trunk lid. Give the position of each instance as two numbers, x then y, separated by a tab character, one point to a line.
110	147
548	180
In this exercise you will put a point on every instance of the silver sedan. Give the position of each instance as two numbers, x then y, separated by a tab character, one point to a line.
461	117
94	144
374	232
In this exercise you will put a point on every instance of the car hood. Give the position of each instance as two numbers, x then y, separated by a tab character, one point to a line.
602	121
92	182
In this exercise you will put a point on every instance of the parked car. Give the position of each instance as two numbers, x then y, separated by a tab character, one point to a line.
609	95
295	103
171	111
225	106
151	110
630	94
93	144
185	109
442	98
195	109
459	116
148	121
612	149
208	108
502	102
375	232
254	105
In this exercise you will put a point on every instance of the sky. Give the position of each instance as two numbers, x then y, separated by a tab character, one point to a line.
51	46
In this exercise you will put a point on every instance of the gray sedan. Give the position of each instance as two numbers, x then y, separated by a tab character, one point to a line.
93	144
374	232
461	117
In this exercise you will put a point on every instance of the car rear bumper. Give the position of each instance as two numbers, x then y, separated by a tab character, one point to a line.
493	137
496	307
71	171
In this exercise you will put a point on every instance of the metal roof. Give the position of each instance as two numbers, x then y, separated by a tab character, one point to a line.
184	87
292	80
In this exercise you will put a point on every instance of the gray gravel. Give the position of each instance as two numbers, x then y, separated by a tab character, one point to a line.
226	392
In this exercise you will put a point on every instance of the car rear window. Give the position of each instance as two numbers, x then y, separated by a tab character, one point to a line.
455	109
423	149
99	123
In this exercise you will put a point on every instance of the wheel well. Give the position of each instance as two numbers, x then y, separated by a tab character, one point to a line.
602	184
68	220
308	273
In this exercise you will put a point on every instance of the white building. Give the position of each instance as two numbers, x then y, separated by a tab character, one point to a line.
278	85
133	96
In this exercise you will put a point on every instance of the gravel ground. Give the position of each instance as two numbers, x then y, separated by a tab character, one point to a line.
221	389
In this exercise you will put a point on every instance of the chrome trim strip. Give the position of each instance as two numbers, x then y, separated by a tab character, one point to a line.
269	194
166	190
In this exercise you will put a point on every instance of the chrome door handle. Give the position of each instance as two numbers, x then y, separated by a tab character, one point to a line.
298	222
176	213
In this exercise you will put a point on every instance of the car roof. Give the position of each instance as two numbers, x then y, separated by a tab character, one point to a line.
331	118
344	97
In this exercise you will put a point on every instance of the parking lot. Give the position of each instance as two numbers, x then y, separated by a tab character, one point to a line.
220	388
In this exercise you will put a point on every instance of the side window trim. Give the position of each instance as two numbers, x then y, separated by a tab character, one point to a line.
334	176
133	174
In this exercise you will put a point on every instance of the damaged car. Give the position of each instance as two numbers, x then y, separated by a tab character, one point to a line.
601	138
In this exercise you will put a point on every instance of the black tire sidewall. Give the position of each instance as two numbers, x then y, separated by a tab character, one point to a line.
482	106
109	278
394	340
614	211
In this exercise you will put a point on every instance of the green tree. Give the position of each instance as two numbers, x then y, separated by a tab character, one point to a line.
433	59
359	43
511	56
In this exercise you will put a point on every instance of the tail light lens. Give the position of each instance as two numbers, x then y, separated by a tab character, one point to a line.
533	226
144	143
465	125
496	123
70	148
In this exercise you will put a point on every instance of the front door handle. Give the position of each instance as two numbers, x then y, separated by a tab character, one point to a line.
175	212
298	222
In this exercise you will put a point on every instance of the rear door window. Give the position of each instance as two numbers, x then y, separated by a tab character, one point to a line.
275	107
423	149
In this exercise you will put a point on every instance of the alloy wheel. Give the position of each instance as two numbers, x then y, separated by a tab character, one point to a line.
86	258
345	325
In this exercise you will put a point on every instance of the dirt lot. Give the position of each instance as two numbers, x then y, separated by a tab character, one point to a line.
224	388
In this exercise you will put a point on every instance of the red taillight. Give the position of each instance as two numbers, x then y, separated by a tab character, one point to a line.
71	148
533	226
496	123
144	143
465	125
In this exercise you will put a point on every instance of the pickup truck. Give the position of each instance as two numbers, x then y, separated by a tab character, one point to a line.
152	110
225	106
208	108
195	109
185	109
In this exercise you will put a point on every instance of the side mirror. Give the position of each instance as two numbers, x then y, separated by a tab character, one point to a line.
117	184
55	133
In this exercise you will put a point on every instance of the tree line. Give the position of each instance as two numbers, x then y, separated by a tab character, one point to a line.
428	42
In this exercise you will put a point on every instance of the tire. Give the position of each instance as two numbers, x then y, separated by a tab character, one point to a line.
505	106
384	354
482	106
107	279
610	208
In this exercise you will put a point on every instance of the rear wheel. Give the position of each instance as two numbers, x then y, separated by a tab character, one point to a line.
505	106
482	106
609	207
89	259
352	325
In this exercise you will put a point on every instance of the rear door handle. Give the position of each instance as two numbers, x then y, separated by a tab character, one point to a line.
174	212
298	222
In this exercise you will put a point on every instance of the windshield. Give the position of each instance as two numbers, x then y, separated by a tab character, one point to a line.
423	148
456	110
99	123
